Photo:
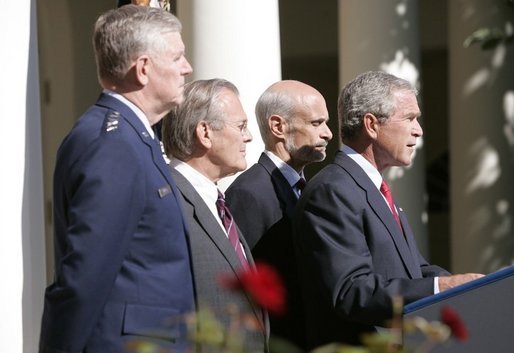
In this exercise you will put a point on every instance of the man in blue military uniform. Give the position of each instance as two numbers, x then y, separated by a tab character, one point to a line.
122	266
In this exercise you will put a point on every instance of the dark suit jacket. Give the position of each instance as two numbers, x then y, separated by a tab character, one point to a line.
353	256
263	205
212	256
122	267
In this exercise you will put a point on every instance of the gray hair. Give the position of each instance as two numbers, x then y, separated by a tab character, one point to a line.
370	92
122	34
200	104
273	102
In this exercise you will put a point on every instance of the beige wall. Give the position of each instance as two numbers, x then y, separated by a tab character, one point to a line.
481	142
389	41
68	81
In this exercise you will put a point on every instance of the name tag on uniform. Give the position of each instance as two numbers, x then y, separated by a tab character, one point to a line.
165	190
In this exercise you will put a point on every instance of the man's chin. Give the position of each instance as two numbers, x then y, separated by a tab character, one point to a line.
177	100
320	156
314	157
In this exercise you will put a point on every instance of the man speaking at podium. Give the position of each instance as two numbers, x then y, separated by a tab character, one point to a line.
354	246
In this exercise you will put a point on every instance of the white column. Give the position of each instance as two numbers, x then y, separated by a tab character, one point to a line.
238	41
481	140
383	35
22	263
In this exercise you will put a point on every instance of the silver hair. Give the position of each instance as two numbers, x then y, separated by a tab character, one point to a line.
273	102
370	92
122	34
200	104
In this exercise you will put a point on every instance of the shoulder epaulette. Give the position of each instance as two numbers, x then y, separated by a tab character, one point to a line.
112	121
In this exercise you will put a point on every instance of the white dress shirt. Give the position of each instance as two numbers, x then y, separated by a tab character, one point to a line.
207	190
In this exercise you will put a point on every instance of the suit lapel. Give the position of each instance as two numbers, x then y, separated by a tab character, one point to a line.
284	191
213	231
381	209
246	248
206	220
409	237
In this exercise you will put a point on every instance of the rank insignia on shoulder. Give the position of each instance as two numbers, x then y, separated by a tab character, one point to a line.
112	121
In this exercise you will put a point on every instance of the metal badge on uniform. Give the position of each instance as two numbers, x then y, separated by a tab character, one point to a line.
165	190
112	121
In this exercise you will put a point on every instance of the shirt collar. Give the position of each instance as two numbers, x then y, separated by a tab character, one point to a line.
139	113
287	171
207	189
368	168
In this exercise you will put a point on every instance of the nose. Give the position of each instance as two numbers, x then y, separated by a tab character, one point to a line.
247	135
326	134
417	130
187	69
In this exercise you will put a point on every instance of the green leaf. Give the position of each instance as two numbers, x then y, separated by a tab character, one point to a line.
488	38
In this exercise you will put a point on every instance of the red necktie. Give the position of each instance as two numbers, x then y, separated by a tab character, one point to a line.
231	228
384	189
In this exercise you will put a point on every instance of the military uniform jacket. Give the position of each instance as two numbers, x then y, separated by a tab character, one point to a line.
122	266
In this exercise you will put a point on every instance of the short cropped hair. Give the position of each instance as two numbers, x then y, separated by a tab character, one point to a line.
122	34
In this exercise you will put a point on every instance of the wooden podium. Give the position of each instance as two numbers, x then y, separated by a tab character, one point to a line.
486	306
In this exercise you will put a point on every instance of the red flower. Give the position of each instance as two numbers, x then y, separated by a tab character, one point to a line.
264	286
455	323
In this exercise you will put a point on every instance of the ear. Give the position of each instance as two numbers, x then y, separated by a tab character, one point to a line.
142	69
277	126
370	125
204	134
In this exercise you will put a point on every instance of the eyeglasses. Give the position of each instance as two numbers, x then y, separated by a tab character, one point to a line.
242	126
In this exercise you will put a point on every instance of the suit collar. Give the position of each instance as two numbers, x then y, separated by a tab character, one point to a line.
112	103
282	187
404	243
288	172
134	108
206	219
366	166
133	120
207	190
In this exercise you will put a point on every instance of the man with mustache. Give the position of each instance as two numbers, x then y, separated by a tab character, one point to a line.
354	246
292	118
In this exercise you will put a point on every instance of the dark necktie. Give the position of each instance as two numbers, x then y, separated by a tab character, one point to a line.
384	189
231	228
300	185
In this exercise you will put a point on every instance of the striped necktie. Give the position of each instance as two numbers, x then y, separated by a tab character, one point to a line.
231	228
300	185
384	189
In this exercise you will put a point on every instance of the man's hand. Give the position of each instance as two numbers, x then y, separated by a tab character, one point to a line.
447	282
